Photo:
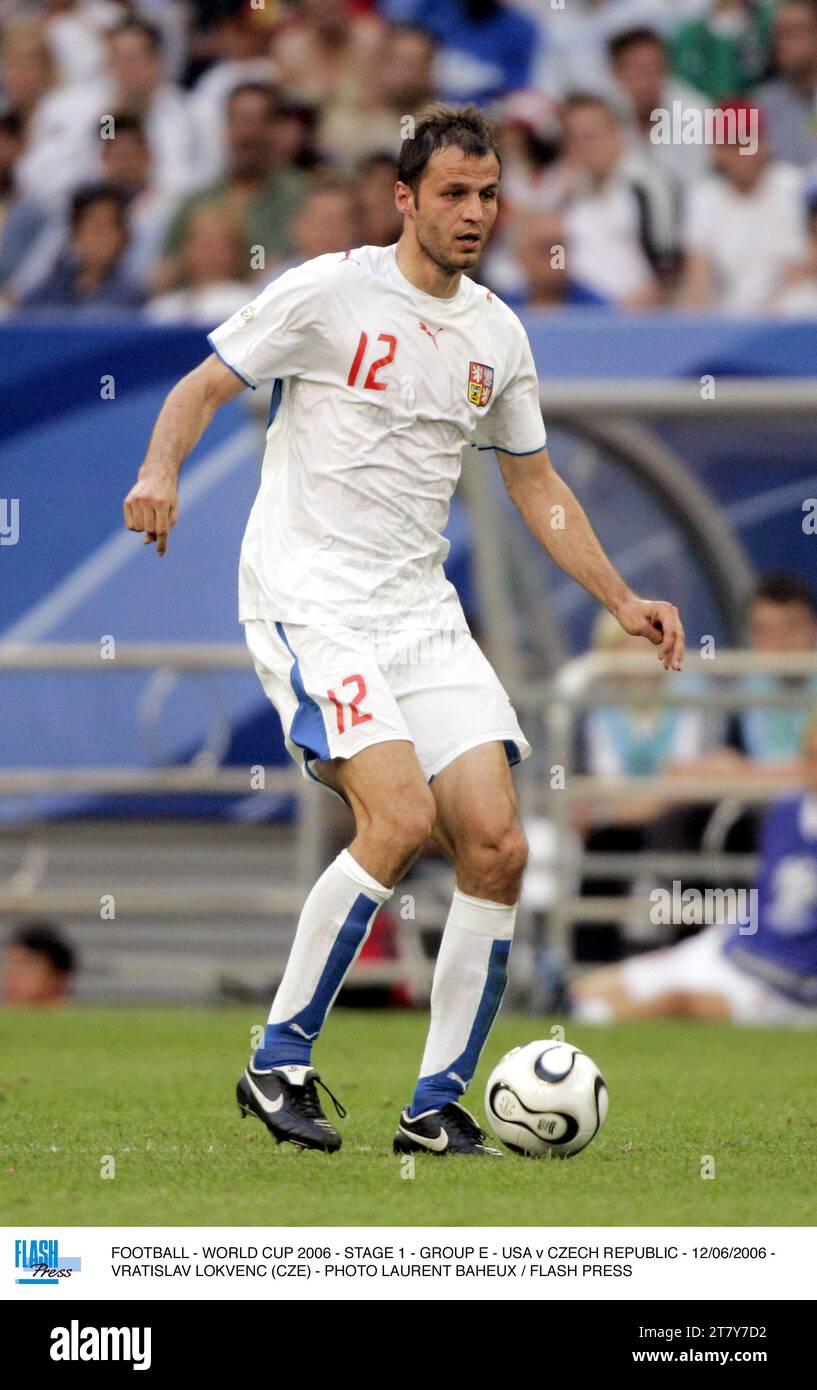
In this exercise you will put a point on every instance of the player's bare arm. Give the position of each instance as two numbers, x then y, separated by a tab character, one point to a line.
152	504
536	489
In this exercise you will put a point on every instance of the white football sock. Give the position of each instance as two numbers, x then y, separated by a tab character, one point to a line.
334	923
469	981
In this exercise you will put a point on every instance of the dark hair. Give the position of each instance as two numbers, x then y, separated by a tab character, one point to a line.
47	940
11	123
633	38
89	193
780	587
136	24
439	127
255	89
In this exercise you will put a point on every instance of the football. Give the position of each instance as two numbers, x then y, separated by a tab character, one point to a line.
546	1098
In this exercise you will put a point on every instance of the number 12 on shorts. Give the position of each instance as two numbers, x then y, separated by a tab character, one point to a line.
357	716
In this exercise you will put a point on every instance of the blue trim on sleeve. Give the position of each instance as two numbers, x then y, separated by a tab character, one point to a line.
525	453
275	399
240	375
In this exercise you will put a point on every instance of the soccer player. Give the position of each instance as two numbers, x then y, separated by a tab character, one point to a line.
386	362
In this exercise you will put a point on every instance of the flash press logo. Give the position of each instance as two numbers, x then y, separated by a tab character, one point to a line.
75	1343
40	1262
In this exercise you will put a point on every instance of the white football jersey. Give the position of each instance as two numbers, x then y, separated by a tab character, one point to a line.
378	387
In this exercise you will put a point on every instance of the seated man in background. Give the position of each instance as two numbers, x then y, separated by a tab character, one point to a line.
760	970
545	263
91	274
782	617
38	966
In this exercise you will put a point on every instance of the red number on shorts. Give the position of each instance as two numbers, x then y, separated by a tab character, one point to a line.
371	383
354	704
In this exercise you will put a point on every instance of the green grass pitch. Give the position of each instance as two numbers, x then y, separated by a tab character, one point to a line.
153	1088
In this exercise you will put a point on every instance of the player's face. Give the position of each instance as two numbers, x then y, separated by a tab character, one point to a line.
456	207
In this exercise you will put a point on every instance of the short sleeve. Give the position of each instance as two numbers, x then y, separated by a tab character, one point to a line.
270	337
513	421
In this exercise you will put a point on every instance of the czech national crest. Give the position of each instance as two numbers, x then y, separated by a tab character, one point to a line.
480	383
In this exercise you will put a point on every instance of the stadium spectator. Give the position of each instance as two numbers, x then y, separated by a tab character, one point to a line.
256	187
294	136
326	221
38	966
90	275
126	164
399	85
745	229
790	99
237	52
28	71
545	263
215	260
725	52
76	32
782	617
636	741
486	47
530	134
621	220
760	968
574	55
21	222
61	149
380	221
325	51
638	62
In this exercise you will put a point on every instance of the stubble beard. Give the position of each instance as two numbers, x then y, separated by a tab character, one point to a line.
437	257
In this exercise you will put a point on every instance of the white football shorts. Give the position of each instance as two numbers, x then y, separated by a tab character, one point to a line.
699	965
339	689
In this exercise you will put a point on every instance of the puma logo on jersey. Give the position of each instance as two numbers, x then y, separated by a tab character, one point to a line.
432	336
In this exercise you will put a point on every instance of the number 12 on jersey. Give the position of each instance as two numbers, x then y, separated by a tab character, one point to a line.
371	383
358	717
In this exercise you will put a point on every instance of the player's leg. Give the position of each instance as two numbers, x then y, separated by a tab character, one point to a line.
360	748
478	827
394	814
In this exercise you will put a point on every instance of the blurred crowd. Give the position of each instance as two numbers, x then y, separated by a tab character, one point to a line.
171	157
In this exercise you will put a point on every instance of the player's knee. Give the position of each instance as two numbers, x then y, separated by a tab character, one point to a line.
495	859
408	822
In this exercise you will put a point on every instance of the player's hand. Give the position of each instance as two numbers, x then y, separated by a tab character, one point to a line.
152	505
660	623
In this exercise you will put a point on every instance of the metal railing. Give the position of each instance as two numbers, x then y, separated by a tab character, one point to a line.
590	682
202	777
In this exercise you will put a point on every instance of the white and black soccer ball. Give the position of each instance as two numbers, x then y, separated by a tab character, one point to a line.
546	1098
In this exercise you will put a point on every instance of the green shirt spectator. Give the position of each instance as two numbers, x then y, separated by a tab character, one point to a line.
725	52
264	215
